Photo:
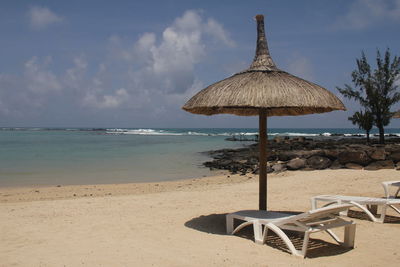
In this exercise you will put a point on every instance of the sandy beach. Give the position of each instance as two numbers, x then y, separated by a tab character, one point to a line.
182	223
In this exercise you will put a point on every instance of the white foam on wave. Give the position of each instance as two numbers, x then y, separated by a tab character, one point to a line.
353	134
158	132
166	132
140	132
293	134
196	133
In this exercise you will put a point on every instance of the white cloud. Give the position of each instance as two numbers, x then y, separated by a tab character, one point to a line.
363	13
42	17
218	32
169	65
94	91
152	75
106	101
25	94
301	67
40	80
159	69
74	76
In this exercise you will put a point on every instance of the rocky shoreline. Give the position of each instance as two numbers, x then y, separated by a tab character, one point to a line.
309	154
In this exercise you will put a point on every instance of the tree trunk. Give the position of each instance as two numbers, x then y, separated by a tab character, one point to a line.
381	134
368	137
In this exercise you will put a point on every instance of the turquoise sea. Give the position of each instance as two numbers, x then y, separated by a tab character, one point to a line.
61	156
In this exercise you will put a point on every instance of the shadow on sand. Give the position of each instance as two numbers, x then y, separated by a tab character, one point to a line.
363	216
215	224
211	224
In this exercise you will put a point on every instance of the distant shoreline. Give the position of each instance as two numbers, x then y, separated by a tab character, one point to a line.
155	131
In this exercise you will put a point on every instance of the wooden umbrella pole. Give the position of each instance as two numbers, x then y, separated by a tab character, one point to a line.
262	143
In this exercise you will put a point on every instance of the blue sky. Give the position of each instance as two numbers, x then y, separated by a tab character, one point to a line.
135	63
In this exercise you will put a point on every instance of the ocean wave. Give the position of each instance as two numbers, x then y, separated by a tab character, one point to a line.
293	134
213	132
175	133
140	132
159	132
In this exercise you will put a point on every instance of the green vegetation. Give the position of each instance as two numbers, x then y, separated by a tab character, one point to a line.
364	120
375	90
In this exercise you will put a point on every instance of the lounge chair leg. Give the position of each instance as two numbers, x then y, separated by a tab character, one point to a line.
258	235
349	235
397	192
241	226
229	224
366	210
284	238
313	203
386	189
265	234
395	209
334	236
305	244
382	212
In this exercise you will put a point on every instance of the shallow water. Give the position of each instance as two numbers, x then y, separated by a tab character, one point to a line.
94	156
89	157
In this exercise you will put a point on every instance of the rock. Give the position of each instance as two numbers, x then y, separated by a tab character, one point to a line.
352	156
300	139
381	164
295	164
269	169
279	167
252	161
318	162
378	154
336	165
224	162
257	170
353	166
285	155
331	154
395	156
291	154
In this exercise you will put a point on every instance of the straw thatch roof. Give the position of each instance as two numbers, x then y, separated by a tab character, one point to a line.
263	86
396	114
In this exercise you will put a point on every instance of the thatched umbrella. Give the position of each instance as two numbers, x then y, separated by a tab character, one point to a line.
263	90
397	115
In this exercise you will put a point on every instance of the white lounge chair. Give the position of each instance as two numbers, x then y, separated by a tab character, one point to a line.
313	221
369	205
386	186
